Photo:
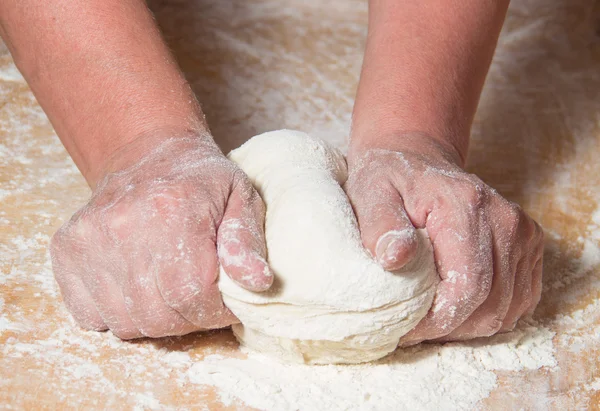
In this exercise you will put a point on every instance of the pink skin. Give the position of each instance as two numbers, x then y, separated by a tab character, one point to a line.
424	68
487	250
142	257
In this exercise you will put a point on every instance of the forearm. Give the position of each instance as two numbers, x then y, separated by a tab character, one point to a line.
101	72
424	67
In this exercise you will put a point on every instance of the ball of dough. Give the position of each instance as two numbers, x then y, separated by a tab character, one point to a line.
331	302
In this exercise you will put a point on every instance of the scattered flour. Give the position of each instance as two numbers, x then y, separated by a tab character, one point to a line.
11	74
547	48
450	377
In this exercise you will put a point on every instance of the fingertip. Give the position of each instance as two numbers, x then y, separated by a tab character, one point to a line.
91	324
128	334
256	276
264	281
396	248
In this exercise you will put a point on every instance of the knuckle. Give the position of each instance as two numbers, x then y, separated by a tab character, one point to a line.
83	221
258	204
57	246
119	220
367	159
364	171
171	196
513	218
243	186
523	224
529	228
239	177
251	200
59	236
476	194
514	212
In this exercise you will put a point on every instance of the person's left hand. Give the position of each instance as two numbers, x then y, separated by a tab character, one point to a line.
488	252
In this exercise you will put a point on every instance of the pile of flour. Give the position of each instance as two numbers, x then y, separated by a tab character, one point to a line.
455	376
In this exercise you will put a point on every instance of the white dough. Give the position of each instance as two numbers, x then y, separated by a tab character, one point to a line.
330	302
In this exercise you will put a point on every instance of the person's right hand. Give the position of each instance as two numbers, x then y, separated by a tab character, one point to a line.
142	257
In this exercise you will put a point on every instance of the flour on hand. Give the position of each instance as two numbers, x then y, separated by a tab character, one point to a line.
331	302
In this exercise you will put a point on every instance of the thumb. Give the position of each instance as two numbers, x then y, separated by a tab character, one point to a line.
241	239
385	228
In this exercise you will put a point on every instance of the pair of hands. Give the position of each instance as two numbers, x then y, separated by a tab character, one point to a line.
141	258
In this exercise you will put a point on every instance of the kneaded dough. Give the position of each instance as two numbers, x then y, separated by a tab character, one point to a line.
330	302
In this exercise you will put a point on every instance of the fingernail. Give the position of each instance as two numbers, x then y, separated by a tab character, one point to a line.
259	282
391	243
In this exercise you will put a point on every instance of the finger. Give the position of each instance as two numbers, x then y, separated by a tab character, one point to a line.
92	271
144	303
385	228
241	239
187	283
102	263
108	298
522	296
462	244
111	305
76	297
489	317
156	284
528	287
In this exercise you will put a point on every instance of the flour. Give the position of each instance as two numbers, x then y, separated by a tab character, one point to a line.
450	377
535	139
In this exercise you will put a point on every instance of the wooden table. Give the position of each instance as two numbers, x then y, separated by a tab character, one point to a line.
262	65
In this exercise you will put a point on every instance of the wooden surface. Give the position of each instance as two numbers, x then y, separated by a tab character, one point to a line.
262	65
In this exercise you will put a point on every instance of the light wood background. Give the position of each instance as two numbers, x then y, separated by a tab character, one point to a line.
265	64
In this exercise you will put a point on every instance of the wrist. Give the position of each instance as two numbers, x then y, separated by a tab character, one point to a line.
145	145
402	141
